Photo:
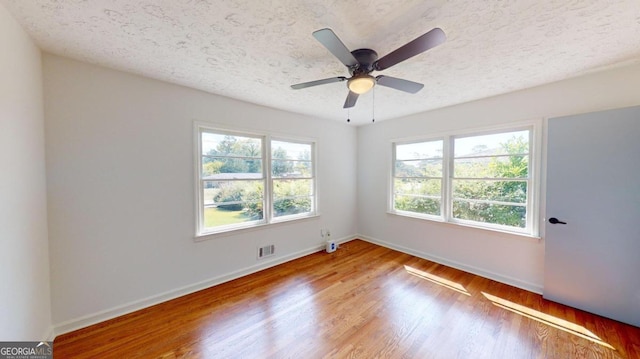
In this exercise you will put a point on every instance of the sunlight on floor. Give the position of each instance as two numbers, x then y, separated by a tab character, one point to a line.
437	280
547	319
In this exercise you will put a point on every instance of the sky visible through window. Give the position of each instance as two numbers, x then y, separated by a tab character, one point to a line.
294	150
464	146
210	141
418	151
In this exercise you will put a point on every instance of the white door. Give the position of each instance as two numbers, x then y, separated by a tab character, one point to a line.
593	184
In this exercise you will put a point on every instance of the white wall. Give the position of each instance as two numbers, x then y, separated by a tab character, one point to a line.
508	258
25	312
121	190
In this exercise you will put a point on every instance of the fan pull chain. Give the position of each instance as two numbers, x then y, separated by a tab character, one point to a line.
348	115
373	107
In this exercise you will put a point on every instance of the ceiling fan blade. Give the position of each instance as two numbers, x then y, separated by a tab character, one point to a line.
318	82
331	41
399	84
352	97
421	44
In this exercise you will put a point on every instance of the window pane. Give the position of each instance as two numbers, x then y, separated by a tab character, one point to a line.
289	206
496	144
420	150
503	155
417	204
292	188
231	194
499	191
292	196
227	145
286	168
290	150
492	167
419	168
230	202
426	187
231	168
216	216
514	216
412	193
291	160
209	191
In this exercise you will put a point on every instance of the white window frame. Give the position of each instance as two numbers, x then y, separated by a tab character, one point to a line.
533	188
268	218
442	184
313	211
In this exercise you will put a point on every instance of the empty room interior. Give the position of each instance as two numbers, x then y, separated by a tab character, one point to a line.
321	179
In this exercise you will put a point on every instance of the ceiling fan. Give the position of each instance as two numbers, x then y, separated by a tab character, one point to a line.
362	62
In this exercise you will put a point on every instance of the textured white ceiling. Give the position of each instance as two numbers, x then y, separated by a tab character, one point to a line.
254	50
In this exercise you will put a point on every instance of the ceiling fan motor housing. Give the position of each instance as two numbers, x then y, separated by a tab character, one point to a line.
366	58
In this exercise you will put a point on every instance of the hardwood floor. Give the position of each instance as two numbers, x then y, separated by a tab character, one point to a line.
362	301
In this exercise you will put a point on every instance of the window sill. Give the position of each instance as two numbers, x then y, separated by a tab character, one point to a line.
502	233
199	237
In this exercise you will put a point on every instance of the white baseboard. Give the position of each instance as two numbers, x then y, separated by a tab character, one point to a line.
111	313
48	335
531	287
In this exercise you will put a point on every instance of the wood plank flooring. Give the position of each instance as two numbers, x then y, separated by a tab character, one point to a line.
362	301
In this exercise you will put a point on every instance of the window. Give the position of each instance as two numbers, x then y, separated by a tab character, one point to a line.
490	181
483	180
292	178
417	179
232	180
246	180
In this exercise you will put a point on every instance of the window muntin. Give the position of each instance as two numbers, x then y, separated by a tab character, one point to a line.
485	180
417	177
292	178
246	180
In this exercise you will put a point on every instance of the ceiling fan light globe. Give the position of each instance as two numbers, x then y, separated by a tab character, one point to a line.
361	84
